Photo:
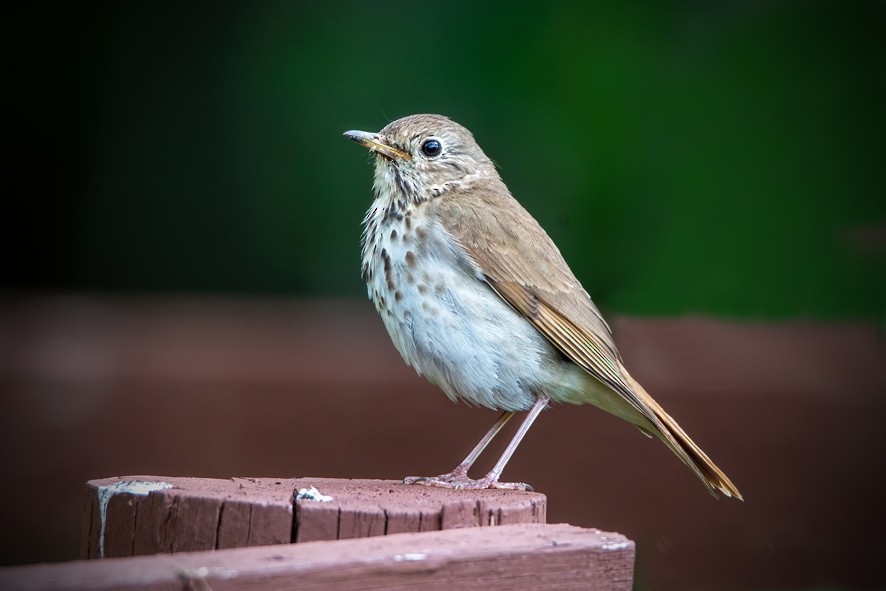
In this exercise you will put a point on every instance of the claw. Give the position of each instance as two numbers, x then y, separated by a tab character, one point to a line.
462	482
414	480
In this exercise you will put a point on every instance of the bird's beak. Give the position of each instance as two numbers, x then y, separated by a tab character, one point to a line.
376	143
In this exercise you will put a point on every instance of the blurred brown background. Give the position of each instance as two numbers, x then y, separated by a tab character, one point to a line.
180	290
222	387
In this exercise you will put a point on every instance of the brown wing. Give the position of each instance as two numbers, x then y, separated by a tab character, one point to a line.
521	263
524	267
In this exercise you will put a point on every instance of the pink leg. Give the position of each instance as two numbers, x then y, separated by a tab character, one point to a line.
459	479
460	472
499	467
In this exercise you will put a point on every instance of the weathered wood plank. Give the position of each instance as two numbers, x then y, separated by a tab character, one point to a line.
193	514
184	514
521	556
119	527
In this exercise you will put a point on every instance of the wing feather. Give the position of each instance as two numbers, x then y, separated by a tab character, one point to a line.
522	264
515	256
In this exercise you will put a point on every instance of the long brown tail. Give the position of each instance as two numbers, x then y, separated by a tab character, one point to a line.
686	449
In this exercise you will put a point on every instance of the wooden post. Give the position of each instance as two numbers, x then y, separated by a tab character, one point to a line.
521	556
138	515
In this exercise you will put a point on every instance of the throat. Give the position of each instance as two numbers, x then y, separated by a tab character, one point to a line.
395	189
388	232
397	193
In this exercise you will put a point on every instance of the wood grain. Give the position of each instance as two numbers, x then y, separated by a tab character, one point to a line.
211	514
520	556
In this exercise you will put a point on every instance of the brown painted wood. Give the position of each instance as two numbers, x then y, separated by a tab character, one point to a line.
196	514
364	508
208	514
520	556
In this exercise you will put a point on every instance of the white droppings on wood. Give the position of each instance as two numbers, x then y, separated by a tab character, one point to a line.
312	494
106	492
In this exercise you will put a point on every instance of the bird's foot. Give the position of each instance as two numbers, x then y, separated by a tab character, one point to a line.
459	480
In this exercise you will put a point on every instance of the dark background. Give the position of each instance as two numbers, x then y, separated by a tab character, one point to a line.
175	178
715	157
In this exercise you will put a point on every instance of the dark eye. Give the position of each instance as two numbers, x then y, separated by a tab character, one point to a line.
431	148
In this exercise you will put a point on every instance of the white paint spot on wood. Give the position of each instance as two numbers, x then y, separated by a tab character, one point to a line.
132	487
312	494
410	557
616	545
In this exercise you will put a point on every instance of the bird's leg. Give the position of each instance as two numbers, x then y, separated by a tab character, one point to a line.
459	475
491	479
458	478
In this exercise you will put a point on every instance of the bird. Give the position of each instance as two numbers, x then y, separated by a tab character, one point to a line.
477	298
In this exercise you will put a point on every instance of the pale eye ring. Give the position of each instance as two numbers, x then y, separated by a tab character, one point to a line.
431	147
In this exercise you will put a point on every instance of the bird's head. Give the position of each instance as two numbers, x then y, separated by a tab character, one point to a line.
425	156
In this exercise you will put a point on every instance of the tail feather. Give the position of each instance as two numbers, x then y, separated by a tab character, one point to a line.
686	449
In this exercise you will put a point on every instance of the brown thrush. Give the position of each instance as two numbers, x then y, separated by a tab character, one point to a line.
478	299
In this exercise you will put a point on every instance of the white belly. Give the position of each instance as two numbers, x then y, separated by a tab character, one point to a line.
452	327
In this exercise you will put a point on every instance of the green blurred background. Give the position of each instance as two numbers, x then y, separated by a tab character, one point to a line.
721	158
